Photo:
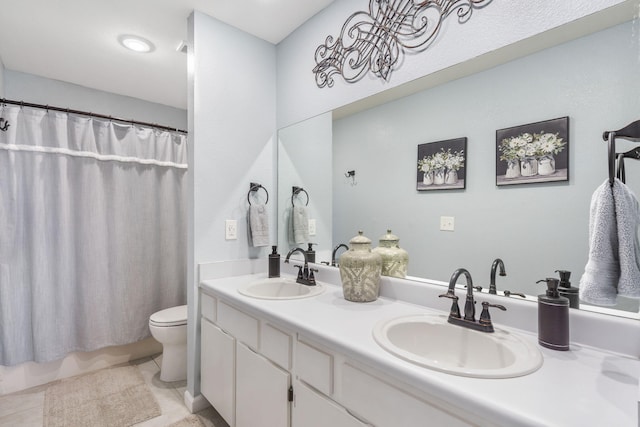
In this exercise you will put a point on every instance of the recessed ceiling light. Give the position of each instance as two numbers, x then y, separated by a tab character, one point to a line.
136	43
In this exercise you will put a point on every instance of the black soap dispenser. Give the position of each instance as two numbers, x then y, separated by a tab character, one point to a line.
274	262
566	290
311	254
553	317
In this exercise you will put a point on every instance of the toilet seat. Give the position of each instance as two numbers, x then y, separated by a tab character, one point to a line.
173	316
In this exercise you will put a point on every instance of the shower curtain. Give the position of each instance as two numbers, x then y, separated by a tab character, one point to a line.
92	232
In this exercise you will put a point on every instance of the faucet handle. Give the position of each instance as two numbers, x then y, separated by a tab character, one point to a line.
477	288
508	293
455	309
485	318
299	267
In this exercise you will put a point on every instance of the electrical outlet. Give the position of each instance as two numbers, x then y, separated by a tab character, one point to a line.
447	223
312	227
231	229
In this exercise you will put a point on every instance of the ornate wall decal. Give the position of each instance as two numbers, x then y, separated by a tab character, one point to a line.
374	40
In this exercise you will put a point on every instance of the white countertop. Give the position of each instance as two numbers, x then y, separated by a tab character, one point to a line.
582	387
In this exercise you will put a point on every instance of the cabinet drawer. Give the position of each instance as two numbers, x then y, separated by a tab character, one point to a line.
208	307
276	345
393	407
315	367
242	326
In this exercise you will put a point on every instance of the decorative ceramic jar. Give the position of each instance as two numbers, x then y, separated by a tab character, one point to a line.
438	177
394	259
546	165
360	271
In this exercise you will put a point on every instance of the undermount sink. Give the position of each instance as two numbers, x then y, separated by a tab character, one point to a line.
428	340
280	288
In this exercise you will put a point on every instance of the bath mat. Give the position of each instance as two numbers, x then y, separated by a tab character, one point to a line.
190	421
109	398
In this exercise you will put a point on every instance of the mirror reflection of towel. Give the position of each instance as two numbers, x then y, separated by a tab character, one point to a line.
299	225
259	225
613	267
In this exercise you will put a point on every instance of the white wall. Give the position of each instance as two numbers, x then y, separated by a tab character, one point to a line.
232	131
535	228
41	90
499	24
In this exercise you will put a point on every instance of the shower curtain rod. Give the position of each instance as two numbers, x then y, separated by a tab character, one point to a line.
87	113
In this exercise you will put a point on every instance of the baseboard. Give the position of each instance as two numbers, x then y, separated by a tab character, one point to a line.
195	404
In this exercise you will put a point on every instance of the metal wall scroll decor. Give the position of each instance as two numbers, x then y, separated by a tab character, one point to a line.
374	40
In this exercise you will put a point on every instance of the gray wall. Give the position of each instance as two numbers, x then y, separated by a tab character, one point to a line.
535	228
40	90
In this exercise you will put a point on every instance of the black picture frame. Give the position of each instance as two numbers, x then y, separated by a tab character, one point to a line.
442	165
533	153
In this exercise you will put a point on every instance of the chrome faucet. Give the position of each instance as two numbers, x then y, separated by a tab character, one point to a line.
469	319
333	254
305	274
492	285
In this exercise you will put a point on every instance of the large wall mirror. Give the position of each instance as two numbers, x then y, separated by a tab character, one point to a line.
535	228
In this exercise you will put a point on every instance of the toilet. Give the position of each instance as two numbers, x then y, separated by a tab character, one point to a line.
169	328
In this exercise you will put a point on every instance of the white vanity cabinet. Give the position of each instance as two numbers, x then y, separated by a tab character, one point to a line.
248	366
312	409
217	368
360	396
244	366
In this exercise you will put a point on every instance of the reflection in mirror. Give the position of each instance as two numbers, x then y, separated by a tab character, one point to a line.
304	160
535	229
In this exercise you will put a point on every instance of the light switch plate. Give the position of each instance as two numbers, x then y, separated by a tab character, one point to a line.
312	227
231	229
447	223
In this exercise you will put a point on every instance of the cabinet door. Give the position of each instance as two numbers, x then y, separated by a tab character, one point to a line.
217	370
311	409
261	391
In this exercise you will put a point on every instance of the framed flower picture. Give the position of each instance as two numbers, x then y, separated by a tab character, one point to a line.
533	153
441	165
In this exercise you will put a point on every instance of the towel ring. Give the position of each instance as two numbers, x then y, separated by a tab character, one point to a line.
253	187
297	190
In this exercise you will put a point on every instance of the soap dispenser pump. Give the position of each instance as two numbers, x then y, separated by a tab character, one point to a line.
274	262
311	254
553	317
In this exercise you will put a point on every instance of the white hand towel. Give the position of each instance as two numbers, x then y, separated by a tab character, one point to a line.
599	282
259	225
300	224
627	221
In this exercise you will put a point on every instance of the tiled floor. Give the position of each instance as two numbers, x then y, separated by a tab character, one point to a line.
25	408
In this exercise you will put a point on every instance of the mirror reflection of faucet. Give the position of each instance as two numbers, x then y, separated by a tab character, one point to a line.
333	254
508	293
492	284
